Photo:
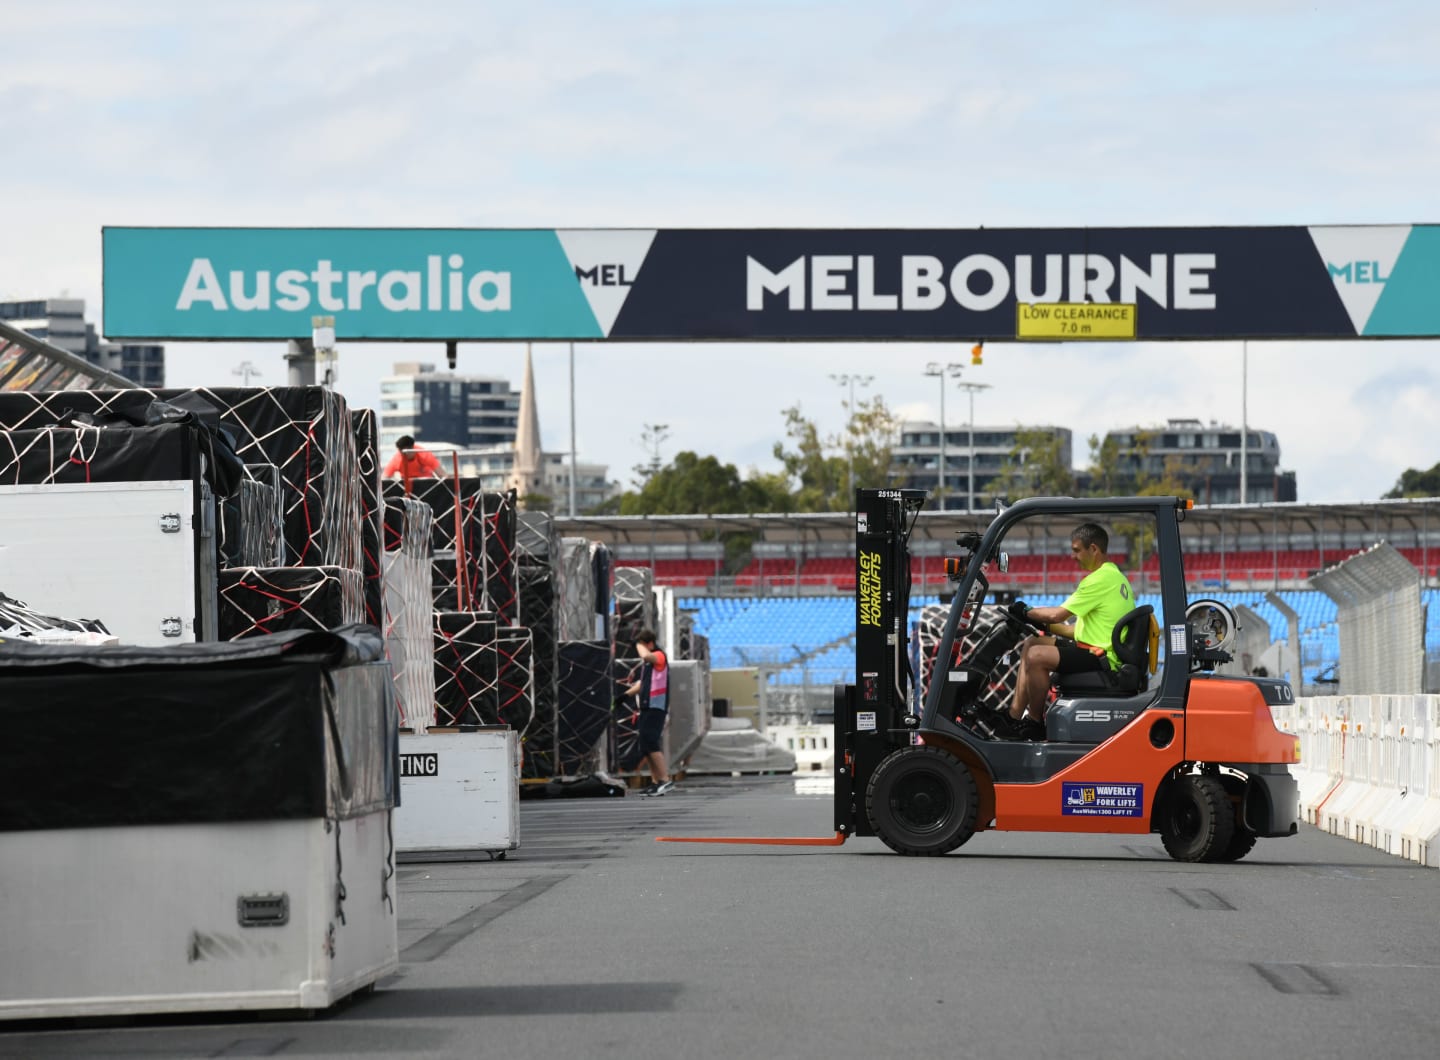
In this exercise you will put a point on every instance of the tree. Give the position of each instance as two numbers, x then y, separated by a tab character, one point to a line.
1413	483
1117	472
1034	467
817	470
691	484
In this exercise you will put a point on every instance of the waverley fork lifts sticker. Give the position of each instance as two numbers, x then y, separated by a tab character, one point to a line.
1102	800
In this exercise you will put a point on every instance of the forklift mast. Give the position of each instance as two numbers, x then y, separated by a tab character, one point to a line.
872	716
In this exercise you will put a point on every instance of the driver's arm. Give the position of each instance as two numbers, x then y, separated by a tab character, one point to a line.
1058	621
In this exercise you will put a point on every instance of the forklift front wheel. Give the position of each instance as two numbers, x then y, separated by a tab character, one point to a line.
922	801
1198	820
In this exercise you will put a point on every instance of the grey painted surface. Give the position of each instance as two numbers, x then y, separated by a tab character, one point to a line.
593	940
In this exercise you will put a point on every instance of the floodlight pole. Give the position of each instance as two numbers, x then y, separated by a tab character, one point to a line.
1244	421
954	370
849	379
971	388
572	430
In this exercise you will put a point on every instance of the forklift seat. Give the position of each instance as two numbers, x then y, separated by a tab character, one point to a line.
1131	639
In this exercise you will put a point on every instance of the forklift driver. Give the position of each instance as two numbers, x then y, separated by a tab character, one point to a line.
1080	634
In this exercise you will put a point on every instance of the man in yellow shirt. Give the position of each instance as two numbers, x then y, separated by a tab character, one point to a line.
1079	633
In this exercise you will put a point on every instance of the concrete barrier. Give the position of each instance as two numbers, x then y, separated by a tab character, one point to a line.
1370	769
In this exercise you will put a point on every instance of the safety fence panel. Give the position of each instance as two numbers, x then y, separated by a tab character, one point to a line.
1382	623
1370	769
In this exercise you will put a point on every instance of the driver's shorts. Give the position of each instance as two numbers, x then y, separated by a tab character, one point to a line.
1077	660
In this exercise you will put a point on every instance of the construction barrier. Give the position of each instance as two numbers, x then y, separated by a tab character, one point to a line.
1370	769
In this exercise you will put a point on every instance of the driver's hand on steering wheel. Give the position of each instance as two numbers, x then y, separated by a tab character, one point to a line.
1019	609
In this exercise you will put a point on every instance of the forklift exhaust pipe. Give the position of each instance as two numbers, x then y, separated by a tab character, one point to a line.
772	841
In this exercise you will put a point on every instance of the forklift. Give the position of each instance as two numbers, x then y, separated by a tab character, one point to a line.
1168	747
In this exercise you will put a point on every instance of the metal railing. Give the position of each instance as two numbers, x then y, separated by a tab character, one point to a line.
1381	620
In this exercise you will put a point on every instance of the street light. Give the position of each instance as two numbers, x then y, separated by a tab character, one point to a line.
245	369
971	388
953	370
847	379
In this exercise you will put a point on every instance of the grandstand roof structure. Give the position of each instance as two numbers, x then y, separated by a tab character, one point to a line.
30	363
1383	518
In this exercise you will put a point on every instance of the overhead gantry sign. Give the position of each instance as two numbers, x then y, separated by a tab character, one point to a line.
767	285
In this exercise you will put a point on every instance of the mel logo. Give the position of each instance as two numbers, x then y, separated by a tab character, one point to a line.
604	276
1357	272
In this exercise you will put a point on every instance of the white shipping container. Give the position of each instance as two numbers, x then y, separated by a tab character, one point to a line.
459	793
138	556
195	917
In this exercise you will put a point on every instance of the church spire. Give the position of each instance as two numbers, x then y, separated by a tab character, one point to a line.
526	477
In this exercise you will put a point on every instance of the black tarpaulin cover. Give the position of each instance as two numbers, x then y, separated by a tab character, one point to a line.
304	431
295	725
367	454
587	695
259	600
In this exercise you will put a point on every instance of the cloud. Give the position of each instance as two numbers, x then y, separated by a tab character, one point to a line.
790	114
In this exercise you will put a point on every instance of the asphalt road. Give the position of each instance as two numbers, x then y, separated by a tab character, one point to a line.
592	940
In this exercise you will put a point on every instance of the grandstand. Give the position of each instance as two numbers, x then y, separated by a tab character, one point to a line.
789	609
810	640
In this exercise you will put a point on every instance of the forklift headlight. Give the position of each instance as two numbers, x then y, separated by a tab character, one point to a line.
1297	749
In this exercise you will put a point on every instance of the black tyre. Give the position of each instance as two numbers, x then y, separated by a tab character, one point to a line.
1241	843
922	801
1197	822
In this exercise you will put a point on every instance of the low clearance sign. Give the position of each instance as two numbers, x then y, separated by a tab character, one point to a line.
639	285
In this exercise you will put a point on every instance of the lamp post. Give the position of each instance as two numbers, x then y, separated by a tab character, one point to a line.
572	430
971	388
850	380
953	370
1244	420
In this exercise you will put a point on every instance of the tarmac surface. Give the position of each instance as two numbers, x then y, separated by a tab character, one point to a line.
592	940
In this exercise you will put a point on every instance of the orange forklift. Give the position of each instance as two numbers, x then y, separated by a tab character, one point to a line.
1157	745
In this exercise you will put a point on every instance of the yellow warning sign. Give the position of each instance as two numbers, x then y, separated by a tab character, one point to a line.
1075	320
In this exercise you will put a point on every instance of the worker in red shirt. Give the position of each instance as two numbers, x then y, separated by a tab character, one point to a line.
411	462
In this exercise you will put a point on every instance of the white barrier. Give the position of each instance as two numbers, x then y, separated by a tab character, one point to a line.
1370	769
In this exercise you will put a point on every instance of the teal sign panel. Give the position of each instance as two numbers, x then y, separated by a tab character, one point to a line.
256	283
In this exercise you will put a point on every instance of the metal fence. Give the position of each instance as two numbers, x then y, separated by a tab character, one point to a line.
1381	620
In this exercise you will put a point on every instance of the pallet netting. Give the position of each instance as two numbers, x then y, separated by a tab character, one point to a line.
258	600
466	669
372	515
575	610
1001	671
536	543
602	570
537	609
304	431
516	678
587	699
268	475
634	611
458	518
501	581
409	637
250	525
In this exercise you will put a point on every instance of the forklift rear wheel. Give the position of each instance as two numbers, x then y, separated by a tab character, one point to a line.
922	801
1198	822
1241	843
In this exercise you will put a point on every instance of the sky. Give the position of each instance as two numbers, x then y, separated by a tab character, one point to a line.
827	114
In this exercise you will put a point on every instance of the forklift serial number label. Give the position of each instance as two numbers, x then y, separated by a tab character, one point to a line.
1102	800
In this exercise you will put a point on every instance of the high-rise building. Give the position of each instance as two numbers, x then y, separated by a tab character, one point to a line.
916	459
1206	458
495	432
61	322
465	411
